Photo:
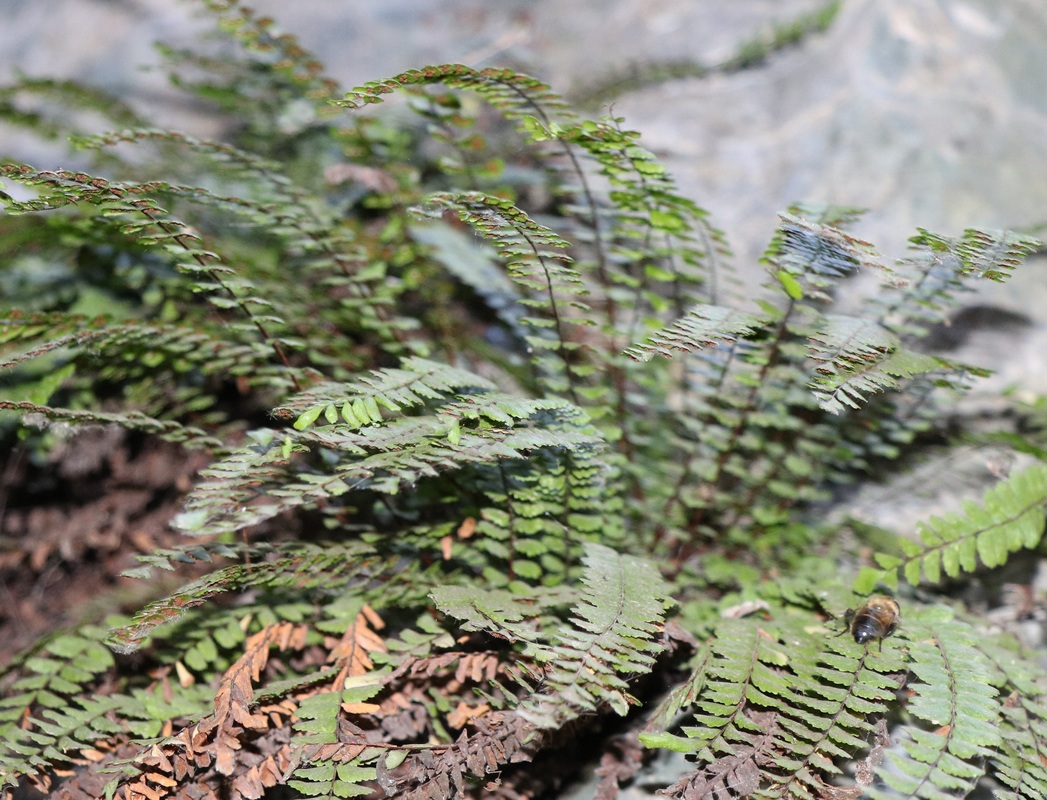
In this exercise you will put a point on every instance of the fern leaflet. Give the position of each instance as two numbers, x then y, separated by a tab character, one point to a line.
1009	519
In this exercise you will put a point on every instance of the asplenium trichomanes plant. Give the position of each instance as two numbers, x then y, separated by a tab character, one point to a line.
523	470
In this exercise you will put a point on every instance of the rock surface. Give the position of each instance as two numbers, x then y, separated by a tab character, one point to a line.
928	112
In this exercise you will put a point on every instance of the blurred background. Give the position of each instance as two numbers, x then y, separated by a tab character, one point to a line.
929	113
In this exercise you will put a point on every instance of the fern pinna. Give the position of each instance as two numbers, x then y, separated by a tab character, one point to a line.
486	474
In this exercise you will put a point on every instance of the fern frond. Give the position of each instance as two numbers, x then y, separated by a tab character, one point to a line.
495	611
331	779
736	396
169	559
1009	518
775	707
38	726
266	172
739	411
515	95
302	566
282	51
854	358
370	453
703	326
140	218
808	256
534	516
314	235
406	452
415	383
992	255
613	637
176	349
536	261
163	372
167	430
955	695
926	285
743	662
655	250
1019	761
830	716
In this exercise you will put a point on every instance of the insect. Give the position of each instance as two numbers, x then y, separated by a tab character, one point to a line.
876	620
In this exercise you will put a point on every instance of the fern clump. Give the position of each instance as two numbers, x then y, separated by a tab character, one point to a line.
484	475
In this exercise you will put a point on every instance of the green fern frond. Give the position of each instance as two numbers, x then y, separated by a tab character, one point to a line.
613	637
266	172
655	250
1009	518
314	234
15	330
330	779
808	256
415	383
496	611
136	215
992	255
157	367
663	245
37	724
255	483
176	349
167	430
1019	761
798	703
736	395
831	716
281	51
57	733
515	95
777	706
703	326
537	263
954	694
368	452
302	566
758	385
854	358
534	516
926	285
742	662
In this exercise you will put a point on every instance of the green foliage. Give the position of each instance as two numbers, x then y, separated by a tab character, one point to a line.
622	602
1009	519
778	708
953	690
484	474
751	53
